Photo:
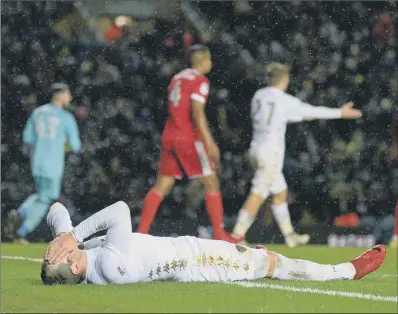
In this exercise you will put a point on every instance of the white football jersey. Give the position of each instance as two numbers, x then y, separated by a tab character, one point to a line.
127	257
272	109
185	259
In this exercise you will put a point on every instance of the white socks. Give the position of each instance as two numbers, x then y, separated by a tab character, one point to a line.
297	269
58	219
282	218
281	215
243	223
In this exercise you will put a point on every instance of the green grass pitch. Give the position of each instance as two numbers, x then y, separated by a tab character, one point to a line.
22	290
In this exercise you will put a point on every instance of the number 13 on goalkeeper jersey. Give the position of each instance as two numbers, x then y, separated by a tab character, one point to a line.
47	130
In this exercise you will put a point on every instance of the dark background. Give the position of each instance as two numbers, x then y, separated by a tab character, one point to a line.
339	51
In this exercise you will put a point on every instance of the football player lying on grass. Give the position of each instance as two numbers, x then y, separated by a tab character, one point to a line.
123	257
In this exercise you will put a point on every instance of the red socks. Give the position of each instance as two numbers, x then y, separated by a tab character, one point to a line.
151	204
215	211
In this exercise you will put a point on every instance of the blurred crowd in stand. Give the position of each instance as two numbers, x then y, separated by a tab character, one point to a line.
338	52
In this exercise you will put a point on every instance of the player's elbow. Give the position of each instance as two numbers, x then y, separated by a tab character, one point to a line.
76	148
57	206
122	208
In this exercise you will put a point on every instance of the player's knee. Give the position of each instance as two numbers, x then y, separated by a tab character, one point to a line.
280	197
162	190
164	185
210	183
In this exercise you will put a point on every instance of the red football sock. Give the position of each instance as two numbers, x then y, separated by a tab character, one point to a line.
396	220
151	204
215	211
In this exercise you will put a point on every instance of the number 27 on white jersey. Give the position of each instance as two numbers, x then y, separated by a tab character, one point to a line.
260	110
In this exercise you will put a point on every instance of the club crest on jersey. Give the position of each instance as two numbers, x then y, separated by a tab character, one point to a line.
121	271
204	89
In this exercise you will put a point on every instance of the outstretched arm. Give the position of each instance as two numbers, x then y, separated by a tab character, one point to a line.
309	112
115	219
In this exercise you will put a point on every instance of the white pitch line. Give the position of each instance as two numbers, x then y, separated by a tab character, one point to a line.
346	294
22	258
376	274
389	275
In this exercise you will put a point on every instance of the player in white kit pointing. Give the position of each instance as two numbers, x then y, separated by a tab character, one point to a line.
271	110
124	257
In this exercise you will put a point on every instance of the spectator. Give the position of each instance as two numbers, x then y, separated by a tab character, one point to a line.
122	87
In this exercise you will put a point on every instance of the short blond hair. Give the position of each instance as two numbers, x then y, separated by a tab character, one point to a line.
59	274
276	71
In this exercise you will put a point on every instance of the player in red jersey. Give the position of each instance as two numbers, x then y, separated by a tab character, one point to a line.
188	148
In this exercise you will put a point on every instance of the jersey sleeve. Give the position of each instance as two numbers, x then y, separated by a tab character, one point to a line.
115	219
200	90
295	119
58	220
300	110
29	135
72	134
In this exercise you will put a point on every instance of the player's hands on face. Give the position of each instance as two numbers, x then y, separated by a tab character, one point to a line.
60	247
348	112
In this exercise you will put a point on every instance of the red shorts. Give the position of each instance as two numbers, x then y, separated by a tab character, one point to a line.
184	157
